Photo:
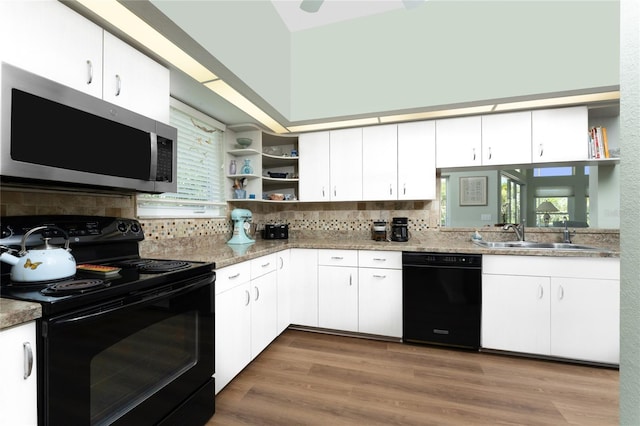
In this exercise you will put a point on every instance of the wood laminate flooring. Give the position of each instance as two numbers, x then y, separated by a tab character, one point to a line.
306	378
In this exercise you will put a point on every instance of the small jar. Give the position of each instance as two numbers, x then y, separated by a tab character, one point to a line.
232	167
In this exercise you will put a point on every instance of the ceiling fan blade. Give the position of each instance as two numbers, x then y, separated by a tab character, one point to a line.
311	6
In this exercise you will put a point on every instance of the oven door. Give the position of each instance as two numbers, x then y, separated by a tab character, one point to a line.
134	360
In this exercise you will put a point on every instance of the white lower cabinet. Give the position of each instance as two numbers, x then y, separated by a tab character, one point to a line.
304	287
246	315
380	293
562	307
283	275
338	289
18	393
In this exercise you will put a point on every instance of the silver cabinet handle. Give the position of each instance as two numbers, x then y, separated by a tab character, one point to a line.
489	153
379	259
266	264
350	279
379	276
540	292
474	154
230	277
248	298
404	189
337	257
281	263
28	359
89	72
390	190
323	192
560	293
118	84
541	150
334	191
257	293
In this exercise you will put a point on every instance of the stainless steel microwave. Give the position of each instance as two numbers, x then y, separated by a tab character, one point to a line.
56	135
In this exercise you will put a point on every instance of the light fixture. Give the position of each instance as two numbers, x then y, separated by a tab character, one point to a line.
311	6
231	95
560	101
546	207
437	114
334	125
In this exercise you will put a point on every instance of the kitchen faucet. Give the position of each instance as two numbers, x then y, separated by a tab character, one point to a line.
517	228
566	235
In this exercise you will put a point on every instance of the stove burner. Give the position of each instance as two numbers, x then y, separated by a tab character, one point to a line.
74	287
159	266
151	266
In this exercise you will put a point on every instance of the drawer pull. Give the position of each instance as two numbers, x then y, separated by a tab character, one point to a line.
379	259
248	298
89	72
337	257
257	293
266	264
560	293
379	276
28	359
234	276
540	292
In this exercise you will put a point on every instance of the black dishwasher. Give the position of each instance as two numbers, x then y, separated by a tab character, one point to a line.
442	298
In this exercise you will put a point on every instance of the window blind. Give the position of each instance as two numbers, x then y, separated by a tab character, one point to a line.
200	169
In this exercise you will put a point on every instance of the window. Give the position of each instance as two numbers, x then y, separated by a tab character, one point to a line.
200	169
511	199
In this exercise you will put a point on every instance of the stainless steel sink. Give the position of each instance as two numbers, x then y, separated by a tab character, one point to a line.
535	245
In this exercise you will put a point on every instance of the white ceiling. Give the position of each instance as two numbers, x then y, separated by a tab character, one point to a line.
332	11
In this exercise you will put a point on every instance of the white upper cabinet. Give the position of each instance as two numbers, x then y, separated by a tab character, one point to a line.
560	134
135	81
314	166
345	159
380	162
459	142
506	138
417	161
51	40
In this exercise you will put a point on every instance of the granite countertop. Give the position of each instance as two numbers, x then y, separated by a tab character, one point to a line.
217	251
15	312
223	254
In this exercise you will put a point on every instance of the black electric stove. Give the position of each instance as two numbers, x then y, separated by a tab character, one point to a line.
95	240
134	346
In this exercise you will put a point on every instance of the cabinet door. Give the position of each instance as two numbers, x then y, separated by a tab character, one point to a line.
49	39
506	138
314	181
135	81
585	319
283	274
560	134
338	298
417	161
458	142
233	333
380	301
264	312
380	162
345	154
304	287
516	313
18	395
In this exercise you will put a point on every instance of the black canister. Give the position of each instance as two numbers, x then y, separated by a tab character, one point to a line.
400	229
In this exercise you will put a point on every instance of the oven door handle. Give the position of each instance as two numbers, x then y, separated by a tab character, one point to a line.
99	311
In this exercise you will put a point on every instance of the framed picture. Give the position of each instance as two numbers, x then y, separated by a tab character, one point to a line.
473	191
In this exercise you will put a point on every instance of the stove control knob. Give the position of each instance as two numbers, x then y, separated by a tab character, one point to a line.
135	227
122	227
6	232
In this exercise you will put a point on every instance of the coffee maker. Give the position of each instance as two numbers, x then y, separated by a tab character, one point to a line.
400	229
241	225
379	230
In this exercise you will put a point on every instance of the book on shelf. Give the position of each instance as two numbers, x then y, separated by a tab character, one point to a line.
598	143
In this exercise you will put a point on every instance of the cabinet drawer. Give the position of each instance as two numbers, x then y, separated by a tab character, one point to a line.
263	265
338	257
380	259
231	276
